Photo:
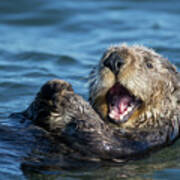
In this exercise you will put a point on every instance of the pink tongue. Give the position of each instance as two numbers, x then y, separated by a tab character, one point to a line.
122	104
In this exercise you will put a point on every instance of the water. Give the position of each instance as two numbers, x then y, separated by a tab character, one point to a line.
41	40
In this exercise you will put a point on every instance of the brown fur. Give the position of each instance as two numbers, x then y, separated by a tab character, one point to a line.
71	120
74	122
56	105
158	87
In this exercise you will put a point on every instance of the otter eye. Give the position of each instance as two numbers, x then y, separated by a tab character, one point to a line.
149	65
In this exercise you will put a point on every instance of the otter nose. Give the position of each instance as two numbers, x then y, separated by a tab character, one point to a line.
114	62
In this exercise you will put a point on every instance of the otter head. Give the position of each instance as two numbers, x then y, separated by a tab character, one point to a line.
133	87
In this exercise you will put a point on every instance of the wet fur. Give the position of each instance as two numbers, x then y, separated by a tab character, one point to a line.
72	120
157	87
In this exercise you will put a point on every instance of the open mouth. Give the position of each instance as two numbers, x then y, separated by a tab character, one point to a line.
121	103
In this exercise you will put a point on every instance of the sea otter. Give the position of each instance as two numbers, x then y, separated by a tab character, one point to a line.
135	87
135	93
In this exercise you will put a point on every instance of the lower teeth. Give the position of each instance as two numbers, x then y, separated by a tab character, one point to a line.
113	115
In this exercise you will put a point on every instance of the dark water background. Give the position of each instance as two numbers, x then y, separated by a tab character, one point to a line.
43	39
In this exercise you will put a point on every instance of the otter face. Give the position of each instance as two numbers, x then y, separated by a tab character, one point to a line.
131	83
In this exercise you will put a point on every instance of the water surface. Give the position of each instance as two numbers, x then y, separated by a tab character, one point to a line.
41	40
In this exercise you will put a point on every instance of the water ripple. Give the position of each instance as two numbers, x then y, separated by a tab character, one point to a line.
42	40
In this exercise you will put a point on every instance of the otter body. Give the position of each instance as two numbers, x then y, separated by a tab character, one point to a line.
135	94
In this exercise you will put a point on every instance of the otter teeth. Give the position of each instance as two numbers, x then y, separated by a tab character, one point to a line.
125	113
121	117
114	114
130	108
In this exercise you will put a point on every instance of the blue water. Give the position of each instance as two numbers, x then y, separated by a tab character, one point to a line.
41	40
